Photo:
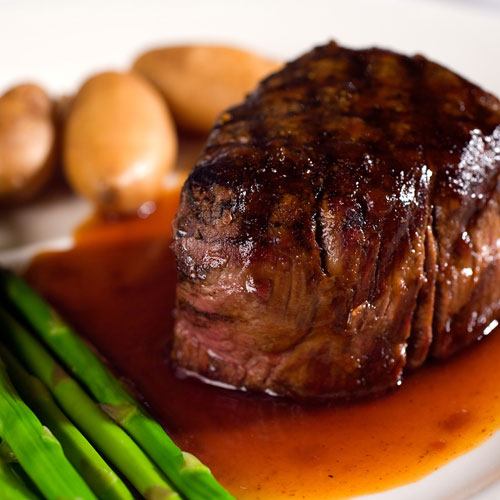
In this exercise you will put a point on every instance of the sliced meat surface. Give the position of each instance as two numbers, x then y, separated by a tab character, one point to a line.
342	225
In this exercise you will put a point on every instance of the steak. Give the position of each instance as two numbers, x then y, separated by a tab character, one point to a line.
342	226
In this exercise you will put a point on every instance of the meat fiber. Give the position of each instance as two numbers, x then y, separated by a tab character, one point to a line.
342	225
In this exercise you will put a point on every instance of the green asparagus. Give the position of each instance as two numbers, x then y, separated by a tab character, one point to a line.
101	430
95	471
36	449
11	485
193	479
7	456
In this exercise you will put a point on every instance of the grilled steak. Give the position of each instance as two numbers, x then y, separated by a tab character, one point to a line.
341	226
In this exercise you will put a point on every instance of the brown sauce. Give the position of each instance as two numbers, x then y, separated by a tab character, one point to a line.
117	287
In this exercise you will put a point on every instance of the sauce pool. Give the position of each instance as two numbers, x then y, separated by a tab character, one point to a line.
117	287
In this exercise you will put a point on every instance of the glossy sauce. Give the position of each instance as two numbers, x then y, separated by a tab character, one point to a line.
117	287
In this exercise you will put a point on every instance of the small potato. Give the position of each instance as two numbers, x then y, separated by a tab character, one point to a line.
119	142
201	81
27	142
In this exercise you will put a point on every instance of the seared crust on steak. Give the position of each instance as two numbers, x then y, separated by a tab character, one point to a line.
342	224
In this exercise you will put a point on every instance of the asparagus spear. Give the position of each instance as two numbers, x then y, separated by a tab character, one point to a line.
193	479
106	435
8	457
36	449
11	485
94	470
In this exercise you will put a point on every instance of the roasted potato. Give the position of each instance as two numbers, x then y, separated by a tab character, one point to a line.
27	142
119	142
201	81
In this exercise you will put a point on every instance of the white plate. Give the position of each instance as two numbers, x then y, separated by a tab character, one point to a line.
59	43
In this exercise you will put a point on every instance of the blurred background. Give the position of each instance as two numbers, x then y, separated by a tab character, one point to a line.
58	43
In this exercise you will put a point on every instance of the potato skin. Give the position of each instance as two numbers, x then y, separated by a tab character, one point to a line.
119	142
201	81
27	142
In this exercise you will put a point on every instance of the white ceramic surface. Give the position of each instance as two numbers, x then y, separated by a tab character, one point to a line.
58	43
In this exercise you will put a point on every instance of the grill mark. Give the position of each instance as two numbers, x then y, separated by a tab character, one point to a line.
319	232
419	99
315	130
437	287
